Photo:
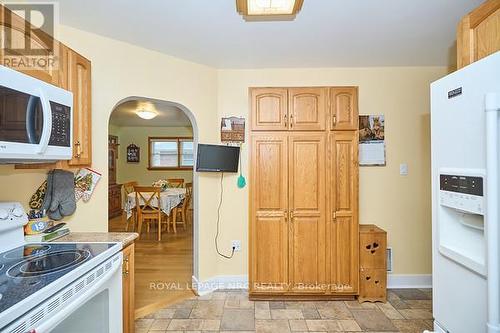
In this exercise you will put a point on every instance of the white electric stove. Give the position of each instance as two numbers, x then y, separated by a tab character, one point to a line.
56	287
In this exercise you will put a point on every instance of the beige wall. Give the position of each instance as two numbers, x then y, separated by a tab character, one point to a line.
399	204
121	70
139	171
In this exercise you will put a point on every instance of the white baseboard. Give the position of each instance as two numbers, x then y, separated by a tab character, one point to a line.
241	282
409	281
219	282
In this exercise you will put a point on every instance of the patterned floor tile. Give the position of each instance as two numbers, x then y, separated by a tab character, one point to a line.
414	294
373	320
323	325
272	326
407	311
238	320
411	326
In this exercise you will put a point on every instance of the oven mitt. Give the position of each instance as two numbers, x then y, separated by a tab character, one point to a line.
48	192
63	195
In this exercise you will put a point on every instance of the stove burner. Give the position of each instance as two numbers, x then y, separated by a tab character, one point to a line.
28	251
49	263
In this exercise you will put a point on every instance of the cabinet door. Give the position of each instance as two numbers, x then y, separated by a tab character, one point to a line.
80	85
307	191
307	108
30	53
478	33
128	289
269	109
344	108
269	211
343	233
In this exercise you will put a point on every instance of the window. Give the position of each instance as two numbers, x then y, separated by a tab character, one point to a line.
171	153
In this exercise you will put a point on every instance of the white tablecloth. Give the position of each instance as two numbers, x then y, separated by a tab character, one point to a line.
169	198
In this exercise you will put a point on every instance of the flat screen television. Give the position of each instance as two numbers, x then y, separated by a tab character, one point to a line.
217	158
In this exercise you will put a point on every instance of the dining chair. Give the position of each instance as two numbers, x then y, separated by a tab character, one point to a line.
128	188
146	210
176	182
182	208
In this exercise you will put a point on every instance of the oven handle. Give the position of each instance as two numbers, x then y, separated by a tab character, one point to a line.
47	123
52	322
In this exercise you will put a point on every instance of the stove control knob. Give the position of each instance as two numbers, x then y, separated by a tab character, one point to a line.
17	212
4	214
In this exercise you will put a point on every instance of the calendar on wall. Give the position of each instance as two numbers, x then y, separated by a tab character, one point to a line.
133	154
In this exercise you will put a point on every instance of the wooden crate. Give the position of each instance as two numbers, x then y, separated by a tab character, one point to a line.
372	263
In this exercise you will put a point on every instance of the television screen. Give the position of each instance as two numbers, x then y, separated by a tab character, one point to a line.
214	158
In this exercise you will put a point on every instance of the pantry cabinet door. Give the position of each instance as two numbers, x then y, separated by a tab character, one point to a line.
344	108
79	81
344	229
307	108
307	191
269	213
269	109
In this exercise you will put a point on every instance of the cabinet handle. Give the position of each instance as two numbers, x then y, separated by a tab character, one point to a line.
291	120
334	120
78	147
286	123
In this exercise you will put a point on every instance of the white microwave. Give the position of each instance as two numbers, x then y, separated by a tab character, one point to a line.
36	120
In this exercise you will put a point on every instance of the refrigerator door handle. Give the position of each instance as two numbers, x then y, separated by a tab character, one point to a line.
492	223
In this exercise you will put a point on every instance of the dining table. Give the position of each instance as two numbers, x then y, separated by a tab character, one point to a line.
169	199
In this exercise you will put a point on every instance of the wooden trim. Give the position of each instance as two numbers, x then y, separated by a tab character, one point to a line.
179	139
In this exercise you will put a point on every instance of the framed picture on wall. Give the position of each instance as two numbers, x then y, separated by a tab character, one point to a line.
133	154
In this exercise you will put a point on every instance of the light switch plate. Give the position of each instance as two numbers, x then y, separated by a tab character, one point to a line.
403	169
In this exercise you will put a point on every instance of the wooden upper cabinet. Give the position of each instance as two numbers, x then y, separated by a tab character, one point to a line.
344	238
307	192
269	109
79	83
478	33
269	213
344	108
307	108
22	44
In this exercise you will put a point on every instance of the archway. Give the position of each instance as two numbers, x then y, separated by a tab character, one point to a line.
195	198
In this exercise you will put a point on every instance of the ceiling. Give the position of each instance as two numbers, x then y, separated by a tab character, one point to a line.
168	115
326	33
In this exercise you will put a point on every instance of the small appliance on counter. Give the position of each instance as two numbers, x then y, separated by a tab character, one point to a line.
43	126
56	287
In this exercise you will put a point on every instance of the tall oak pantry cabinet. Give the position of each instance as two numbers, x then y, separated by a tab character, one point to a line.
304	192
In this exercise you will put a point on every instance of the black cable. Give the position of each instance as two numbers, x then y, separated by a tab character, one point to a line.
218	221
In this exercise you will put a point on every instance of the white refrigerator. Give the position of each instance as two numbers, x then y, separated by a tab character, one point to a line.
465	109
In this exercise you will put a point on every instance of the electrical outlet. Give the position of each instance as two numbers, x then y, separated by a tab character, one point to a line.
236	245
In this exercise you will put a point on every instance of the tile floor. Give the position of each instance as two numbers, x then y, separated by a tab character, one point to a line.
407	311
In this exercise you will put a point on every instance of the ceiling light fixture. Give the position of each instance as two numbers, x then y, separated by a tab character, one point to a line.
268	10
145	114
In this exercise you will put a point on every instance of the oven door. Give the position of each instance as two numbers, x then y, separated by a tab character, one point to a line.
35	119
98	310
